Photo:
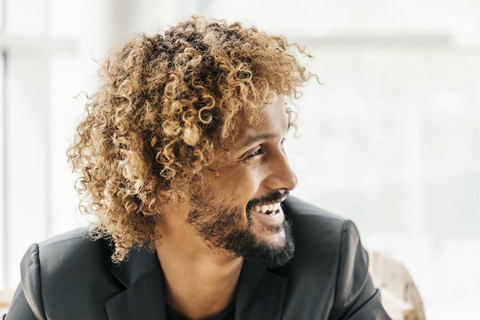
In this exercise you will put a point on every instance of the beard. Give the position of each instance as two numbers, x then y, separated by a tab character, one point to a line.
224	227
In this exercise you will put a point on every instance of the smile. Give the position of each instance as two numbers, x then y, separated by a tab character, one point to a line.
271	209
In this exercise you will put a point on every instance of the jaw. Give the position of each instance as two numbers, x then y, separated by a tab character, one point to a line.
269	229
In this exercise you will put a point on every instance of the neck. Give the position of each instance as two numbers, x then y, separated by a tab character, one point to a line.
200	282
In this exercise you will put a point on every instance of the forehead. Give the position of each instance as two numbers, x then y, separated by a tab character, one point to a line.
271	121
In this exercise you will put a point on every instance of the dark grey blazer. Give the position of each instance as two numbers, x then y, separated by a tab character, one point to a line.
72	277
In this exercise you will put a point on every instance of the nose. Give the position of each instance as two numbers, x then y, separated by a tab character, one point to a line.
281	175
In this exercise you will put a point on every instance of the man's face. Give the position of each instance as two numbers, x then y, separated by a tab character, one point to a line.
237	205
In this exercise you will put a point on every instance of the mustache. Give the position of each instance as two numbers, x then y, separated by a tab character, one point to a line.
272	197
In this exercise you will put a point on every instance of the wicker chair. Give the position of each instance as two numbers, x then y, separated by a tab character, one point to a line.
400	296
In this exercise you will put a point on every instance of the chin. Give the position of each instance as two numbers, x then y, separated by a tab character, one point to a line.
273	250
274	241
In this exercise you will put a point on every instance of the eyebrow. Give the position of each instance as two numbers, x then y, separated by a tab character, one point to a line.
267	136
254	139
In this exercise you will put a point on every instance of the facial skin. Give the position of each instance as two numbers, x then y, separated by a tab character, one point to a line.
251	175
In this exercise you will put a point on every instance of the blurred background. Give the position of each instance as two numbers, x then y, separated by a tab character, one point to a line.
391	139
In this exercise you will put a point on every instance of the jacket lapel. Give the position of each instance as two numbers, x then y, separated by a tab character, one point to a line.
260	293
143	297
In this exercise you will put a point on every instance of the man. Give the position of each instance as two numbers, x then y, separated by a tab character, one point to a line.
182	163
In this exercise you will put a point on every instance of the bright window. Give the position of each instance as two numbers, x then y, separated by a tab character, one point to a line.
3	276
32	119
3	254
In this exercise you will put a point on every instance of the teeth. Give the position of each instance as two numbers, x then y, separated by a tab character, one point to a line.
271	208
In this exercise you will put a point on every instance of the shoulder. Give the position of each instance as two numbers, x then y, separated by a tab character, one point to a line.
69	253
51	269
330	266
302	212
318	241
74	247
324	242
315	228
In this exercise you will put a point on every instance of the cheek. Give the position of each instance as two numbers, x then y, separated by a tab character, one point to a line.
240	185
247	186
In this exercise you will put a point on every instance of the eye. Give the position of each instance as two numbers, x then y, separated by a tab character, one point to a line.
256	153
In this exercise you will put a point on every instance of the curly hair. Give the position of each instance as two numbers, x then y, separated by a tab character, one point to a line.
162	102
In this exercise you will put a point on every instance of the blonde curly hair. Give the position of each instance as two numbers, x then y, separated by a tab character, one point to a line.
162	103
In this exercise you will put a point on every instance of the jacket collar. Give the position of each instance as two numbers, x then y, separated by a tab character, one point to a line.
142	297
260	293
